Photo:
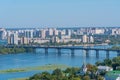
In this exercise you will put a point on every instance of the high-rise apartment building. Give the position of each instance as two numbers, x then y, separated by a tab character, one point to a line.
3	34
91	39
24	40
28	33
13	39
43	33
84	39
51	31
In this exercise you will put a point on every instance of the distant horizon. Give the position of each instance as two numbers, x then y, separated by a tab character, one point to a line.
55	27
63	13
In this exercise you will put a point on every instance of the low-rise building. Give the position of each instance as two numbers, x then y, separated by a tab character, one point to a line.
105	68
70	40
40	41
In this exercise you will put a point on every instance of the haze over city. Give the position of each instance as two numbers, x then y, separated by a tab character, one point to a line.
62	13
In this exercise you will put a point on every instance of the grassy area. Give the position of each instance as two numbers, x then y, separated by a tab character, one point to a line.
18	79
113	73
12	70
41	68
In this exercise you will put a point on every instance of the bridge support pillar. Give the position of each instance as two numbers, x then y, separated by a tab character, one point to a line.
46	51
118	53
59	51
87	53
107	54
97	53
72	52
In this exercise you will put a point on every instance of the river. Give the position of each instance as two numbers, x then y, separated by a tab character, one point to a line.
21	60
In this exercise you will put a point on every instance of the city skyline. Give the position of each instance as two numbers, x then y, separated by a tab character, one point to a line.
63	13
59	35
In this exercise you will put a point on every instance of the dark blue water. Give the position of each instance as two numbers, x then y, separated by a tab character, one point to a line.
39	58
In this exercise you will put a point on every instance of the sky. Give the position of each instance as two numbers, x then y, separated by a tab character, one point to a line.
59	13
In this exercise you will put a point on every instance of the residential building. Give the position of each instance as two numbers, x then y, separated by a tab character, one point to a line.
91	39
13	39
105	68
84	39
43	33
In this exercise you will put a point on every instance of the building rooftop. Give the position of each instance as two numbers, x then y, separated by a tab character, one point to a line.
103	67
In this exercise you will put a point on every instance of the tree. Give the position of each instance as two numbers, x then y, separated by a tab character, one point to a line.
98	63
45	76
72	70
115	62
100	78
114	65
91	68
35	77
76	78
86	78
108	62
58	74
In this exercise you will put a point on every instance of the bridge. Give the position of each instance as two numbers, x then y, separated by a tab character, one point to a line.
72	48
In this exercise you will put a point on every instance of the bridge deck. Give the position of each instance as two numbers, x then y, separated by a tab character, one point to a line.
64	47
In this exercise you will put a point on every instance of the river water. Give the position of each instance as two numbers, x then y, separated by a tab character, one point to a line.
21	60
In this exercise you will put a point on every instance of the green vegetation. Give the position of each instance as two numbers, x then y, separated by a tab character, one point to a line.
68	74
112	73
12	70
14	50
75	73
42	68
18	79
114	63
115	48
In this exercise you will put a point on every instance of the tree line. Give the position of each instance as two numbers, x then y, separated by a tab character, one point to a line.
4	50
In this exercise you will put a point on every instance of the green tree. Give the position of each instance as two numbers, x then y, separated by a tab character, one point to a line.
58	74
100	78
45	76
76	78
72	70
107	62
86	78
